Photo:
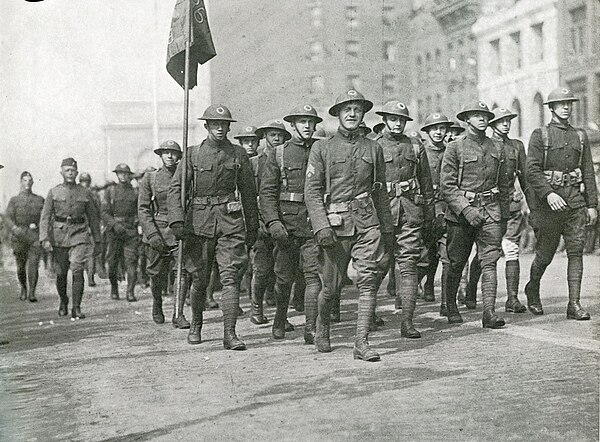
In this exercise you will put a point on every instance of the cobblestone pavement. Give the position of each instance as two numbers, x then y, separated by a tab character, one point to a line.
117	376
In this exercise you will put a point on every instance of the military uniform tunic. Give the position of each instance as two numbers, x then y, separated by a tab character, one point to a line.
24	211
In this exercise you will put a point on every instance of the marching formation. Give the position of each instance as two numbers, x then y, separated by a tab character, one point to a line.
283	213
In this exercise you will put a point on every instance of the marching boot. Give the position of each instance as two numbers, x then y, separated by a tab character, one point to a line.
282	299
322	343
532	291
336	307
311	297
77	289
489	286
61	288
512	272
366	309
197	297
574	276
443	308
230	305
157	312
114	289
258	292
452	283
408	293
32	278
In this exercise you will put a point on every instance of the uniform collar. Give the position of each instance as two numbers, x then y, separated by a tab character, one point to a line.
499	137
300	142
217	144
478	137
393	137
433	146
347	135
560	125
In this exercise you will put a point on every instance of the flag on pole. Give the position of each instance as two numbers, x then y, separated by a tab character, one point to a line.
202	47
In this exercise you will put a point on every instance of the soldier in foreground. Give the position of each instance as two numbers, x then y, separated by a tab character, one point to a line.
562	199
23	218
69	217
284	212
222	221
350	211
476	188
85	180
160	243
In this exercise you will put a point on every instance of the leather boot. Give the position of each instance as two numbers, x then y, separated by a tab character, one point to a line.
197	297
131	280
489	286
532	291
63	307
230	305
408	293
322	343
443	308
512	272
31	294
282	299
61	288
452	283
574	276
311	297
258	291
32	278
366	309
77	289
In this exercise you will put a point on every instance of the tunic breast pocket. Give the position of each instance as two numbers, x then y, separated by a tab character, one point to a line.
78	208
472	169
228	176
60	205
203	176
295	177
338	166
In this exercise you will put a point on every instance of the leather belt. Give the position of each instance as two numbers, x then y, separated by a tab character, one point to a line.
213	200
399	188
291	196
483	198
344	206
69	220
563	179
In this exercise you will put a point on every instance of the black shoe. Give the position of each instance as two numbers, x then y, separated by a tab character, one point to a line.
158	318
533	300
443	310
364	352
76	313
454	316
259	319
398	303
91	282
322	343
131	297
577	312
471	304
407	330
193	337
232	342
278	332
514	306
428	295
289	327
114	293
491	320
32	297
63	309
309	336
180	322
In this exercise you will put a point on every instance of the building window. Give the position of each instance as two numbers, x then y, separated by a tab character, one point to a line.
389	84
352	48
538	110
577	16
517	125
390	51
496	60
353	82
515	40
387	15
580	108
316	51
316	16
352	16
537	42
317	84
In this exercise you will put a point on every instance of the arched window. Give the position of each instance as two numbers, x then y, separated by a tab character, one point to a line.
517	125
538	110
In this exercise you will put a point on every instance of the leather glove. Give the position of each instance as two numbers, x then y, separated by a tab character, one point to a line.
326	237
47	246
251	237
178	230
473	216
156	242
439	225
277	231
119	229
388	242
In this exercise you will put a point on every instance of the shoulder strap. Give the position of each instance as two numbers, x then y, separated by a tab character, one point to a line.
280	163
582	145
461	163
546	142
416	145
236	160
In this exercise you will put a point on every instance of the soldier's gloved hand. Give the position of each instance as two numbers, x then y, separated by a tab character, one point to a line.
556	202
439	225
592	216
178	230
156	242
277	231
326	237
473	216
251	237
47	246
119	229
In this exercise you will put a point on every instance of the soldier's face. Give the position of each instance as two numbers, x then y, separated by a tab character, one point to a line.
217	130
351	115
394	124
85	183
27	182
478	120
123	177
304	127
274	137
502	126
170	158
69	173
437	132
250	145
562	109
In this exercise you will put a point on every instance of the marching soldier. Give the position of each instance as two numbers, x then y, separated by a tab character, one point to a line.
119	213
562	199
350	211
436	127
284	212
408	183
23	219
85	180
274	134
222	221
160	243
69	217
476	188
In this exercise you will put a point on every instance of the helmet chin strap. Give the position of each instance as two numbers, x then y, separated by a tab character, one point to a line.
299	133
389	128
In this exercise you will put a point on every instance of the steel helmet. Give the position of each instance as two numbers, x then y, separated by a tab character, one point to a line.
395	107
456	126
122	167
304	110
378	128
500	113
474	106
435	118
168	145
560	94
320	134
364	128
347	97
246	132
84	176
273	124
217	112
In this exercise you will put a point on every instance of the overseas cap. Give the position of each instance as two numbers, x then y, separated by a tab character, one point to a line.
246	132
217	112
273	124
347	97
304	110
168	145
122	167
395	107
69	162
561	94
474	106
501	113
435	118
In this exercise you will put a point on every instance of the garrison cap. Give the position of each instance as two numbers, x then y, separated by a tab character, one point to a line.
168	145
560	94
435	118
500	113
25	173
217	112
320	134
395	107
122	167
347	97
69	162
273	124
84	176
246	132
474	106
304	110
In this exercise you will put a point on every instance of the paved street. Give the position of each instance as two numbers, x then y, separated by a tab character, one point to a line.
117	376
